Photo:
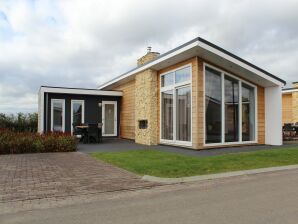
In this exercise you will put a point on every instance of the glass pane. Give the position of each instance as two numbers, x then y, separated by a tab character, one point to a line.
183	114
231	109
248	113
57	116
167	115
77	113
182	75
167	80
109	119
213	101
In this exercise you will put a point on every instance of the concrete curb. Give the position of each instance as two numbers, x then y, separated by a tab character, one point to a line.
218	175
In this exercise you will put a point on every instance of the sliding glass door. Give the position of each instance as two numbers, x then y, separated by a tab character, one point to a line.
183	113
175	114
230	112
167	113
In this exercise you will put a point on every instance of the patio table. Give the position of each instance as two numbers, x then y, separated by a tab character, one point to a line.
82	126
85	132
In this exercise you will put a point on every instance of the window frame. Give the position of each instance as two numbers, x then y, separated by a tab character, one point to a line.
63	113
224	73
173	88
71	112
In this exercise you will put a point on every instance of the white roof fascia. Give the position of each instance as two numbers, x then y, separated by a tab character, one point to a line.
80	91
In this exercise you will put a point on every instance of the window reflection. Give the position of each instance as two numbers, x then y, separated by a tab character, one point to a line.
167	80
58	116
213	101
182	75
167	115
231	109
248	113
183	111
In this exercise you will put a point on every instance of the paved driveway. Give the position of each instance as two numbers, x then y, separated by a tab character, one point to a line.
29	177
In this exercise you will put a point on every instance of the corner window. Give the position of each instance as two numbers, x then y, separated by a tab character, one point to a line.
57	115
229	108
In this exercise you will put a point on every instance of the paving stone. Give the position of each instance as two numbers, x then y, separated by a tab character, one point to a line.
29	181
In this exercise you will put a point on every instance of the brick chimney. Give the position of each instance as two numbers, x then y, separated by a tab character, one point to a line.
295	84
148	57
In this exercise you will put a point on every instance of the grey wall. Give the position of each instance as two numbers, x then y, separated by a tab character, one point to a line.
92	110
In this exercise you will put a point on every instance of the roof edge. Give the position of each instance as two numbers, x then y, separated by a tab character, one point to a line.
242	60
82	91
199	39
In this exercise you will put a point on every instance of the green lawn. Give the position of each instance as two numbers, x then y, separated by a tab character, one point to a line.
164	164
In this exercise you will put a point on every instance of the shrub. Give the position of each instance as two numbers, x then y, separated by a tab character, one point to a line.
20	122
25	142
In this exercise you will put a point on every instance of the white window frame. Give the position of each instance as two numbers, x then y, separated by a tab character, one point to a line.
115	118
63	113
173	88
240	81
71	112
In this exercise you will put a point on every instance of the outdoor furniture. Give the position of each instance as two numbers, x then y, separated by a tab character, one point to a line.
76	131
91	132
82	129
289	131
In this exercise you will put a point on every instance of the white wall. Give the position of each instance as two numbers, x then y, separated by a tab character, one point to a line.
273	115
40	111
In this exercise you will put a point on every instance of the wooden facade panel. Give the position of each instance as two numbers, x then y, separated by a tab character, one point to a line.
287	108
127	110
261	115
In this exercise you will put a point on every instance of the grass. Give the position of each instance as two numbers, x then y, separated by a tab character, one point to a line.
165	164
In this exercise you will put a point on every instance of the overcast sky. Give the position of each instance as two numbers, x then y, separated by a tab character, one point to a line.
83	43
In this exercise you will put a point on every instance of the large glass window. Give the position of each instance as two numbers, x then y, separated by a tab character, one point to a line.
213	101
77	112
176	106
231	109
57	111
183	118
224	121
248	113
167	115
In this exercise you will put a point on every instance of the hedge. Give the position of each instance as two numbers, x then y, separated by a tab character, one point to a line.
19	122
25	142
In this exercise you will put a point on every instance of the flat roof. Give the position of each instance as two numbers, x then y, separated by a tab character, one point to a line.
290	90
79	91
200	44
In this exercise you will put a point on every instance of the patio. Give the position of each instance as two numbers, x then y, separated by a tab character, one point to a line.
117	144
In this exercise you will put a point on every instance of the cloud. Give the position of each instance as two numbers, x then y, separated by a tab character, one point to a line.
84	43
